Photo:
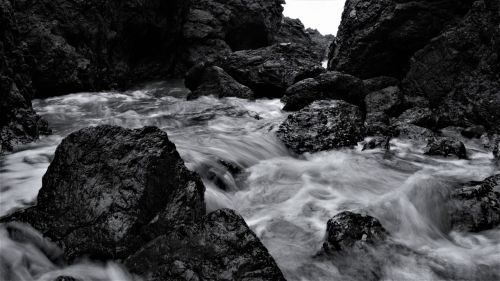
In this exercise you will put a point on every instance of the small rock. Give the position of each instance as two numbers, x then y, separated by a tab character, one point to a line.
377	142
443	146
322	125
474	132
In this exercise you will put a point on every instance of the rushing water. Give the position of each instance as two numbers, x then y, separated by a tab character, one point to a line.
286	199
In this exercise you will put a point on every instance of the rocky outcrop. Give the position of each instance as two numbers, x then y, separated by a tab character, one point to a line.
327	86
347	231
457	73
377	38
114	193
322	125
271	70
221	247
475	206
446	147
380	107
205	80
215	28
109	188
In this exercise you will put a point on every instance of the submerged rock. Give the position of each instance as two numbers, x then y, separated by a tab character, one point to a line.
322	125
377	38
270	71
327	86
347	231
221	247
443	146
109	189
212	80
475	206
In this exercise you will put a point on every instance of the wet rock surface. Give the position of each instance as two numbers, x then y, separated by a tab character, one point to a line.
213	80
475	206
109	188
323	125
221	247
269	71
447	147
327	86
377	38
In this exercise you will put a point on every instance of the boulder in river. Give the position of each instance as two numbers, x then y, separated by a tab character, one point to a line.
378	37
475	206
327	86
271	70
108	189
444	146
212	80
221	247
323	125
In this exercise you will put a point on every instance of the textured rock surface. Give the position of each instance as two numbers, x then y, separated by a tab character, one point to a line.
221	247
476	206
216	27
109	189
458	73
347	231
271	70
322	125
212	80
377	38
380	107
327	86
446	147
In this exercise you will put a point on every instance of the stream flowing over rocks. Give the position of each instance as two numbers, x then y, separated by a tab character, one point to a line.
207	140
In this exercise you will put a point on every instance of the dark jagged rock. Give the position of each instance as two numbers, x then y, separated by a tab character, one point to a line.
476	206
271	70
380	106
221	247
322	125
327	86
420	116
377	142
378	83
212	80
458	71
496	149
347	231
412	132
18	121
377	38
443	146
109	189
321	42
214	28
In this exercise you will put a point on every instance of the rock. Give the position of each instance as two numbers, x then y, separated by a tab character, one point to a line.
270	71
420	116
380	106
109	190
213	80
475	206
221	247
293	31
446	147
215	28
347	231
458	71
473	132
379	83
322	125
412	132
377	142
496	150
378	38
330	85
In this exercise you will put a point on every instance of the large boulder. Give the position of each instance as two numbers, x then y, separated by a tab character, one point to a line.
475	206
457	73
215	28
323	125
212	80
109	190
445	146
221	247
331	85
378	37
271	70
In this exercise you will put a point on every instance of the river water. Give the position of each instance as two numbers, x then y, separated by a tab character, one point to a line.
286	199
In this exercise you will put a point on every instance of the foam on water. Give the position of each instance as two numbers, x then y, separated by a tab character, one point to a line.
286	199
